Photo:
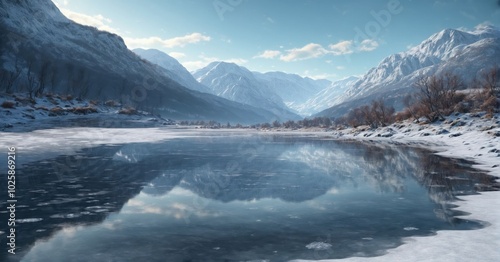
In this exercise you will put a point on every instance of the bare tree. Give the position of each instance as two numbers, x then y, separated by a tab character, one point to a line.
69	77
82	83
490	91
30	80
357	116
491	82
12	76
382	114
409	103
43	76
437	96
53	78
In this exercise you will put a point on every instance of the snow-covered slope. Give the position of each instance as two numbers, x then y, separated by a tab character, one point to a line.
174	69
237	83
293	89
36	32
464	53
326	97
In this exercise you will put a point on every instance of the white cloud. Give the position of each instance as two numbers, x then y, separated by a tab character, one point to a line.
317	76
340	67
177	55
308	51
268	54
341	48
368	45
98	21
103	23
179	41
313	50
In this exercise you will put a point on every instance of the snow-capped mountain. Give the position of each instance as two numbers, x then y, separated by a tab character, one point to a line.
98	65
464	53
293	89
326	98
174	69
237	83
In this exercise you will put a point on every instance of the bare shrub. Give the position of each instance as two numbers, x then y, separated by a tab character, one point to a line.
111	103
84	110
8	104
128	111
437	96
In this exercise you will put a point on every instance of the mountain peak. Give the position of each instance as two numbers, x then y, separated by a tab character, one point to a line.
225	65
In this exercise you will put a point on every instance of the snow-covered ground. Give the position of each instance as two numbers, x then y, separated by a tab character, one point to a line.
468	136
55	110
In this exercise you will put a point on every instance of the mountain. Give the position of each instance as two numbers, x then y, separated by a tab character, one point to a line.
326	97
237	83
293	89
93	64
174	69
464	53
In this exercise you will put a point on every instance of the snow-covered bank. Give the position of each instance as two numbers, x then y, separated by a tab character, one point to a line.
469	136
20	113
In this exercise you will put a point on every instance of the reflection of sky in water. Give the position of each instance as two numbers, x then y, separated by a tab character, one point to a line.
253	198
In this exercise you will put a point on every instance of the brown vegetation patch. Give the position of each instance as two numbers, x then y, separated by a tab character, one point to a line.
128	111
8	104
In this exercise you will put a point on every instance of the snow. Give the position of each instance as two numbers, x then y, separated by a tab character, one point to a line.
293	89
237	83
47	111
326	97
174	69
463	53
319	246
480	141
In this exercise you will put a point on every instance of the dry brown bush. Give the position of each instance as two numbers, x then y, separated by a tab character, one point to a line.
128	111
8	104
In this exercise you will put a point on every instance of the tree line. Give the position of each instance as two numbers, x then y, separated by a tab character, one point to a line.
38	75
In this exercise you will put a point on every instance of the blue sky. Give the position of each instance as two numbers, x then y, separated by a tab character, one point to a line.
317	38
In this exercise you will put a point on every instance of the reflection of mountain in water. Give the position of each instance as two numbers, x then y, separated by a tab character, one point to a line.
303	171
84	188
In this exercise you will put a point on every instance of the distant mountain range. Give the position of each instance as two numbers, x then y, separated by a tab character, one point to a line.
87	62
173	69
282	93
466	54
237	83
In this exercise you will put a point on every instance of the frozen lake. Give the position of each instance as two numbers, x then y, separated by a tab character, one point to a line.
224	196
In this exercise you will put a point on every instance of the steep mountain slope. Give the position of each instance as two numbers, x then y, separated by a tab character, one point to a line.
293	89
326	97
95	64
174	69
466	54
237	83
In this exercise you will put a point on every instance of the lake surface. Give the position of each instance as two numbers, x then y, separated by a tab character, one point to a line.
234	197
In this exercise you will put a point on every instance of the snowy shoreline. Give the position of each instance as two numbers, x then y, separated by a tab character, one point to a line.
460	138
468	136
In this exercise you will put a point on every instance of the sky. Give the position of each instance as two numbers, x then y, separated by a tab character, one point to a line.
330	39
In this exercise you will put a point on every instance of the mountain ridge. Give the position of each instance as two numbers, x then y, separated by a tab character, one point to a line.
395	75
98	65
